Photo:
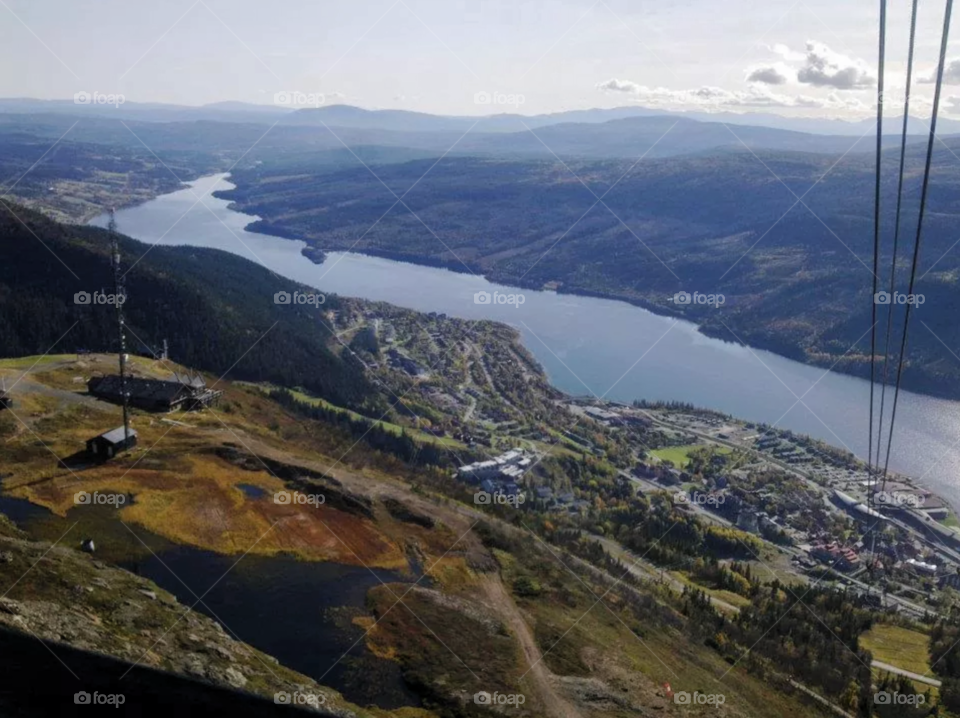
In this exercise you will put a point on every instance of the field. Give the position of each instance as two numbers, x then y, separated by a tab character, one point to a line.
680	455
899	647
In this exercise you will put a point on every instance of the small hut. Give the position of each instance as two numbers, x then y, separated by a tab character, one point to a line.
111	443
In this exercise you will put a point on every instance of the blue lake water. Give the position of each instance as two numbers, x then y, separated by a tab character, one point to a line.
589	346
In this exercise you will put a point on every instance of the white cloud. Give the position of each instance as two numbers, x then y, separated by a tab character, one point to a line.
615	85
825	68
951	74
716	98
786	53
952	105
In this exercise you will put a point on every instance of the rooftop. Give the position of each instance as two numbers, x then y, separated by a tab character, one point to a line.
115	436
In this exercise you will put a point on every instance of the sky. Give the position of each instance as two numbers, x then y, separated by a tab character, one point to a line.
477	57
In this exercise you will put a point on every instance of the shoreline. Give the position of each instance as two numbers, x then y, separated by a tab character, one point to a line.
459	269
944	391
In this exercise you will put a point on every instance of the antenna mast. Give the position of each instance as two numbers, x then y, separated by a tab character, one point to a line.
120	296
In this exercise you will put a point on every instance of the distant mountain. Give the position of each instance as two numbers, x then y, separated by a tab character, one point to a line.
406	121
657	136
410	121
148	111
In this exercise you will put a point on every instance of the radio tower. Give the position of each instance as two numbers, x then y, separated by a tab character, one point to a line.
119	290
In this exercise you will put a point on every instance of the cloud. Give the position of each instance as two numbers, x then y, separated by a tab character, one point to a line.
715	98
786	53
952	105
615	85
825	68
776	74
951	74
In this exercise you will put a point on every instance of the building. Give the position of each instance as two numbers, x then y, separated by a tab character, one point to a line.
845	559
610	418
111	443
544	493
644	471
509	465
927	569
180	393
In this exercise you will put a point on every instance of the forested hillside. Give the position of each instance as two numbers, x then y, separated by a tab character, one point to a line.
786	237
216	310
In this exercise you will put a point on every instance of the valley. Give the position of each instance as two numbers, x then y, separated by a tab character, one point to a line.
404	508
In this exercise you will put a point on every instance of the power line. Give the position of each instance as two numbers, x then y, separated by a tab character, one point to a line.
896	232
876	238
923	203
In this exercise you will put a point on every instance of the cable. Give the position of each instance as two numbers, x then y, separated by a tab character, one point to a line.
896	233
876	241
923	203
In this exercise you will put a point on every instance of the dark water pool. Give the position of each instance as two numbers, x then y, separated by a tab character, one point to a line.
298	611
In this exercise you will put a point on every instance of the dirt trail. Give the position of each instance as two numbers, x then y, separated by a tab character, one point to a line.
540	676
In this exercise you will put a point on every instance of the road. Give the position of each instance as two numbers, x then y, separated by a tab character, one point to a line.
648	572
699	510
909	674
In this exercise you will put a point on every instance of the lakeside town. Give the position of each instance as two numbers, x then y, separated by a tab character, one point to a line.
894	542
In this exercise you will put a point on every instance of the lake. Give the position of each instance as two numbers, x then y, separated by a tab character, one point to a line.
589	346
297	611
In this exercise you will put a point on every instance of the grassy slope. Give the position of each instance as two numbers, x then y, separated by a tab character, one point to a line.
187	494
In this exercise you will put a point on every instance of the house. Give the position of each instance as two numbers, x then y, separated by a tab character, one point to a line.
610	418
158	395
544	493
846	559
111	443
644	471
